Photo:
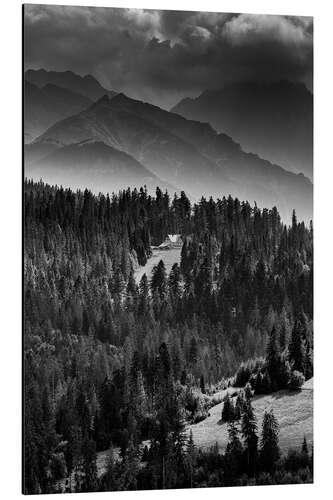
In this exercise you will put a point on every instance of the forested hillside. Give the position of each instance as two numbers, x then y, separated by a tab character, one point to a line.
111	364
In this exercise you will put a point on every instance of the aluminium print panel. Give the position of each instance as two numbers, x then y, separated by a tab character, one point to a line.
168	249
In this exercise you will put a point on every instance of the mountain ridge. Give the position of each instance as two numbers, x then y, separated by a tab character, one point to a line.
185	153
112	169
44	106
274	120
86	85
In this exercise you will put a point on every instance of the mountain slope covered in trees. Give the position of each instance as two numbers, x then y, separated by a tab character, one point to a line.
108	363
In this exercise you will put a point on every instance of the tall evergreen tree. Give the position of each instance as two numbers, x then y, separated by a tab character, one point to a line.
249	434
269	442
158	280
297	353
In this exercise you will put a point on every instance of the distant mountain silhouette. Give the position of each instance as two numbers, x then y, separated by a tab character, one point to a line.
273	120
90	164
85	85
47	105
184	153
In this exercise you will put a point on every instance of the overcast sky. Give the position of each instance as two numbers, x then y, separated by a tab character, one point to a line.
162	56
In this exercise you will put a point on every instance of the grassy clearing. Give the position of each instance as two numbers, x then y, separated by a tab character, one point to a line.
169	258
293	410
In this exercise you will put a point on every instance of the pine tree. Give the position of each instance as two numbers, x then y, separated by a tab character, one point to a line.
191	458
305	452
193	354
158	280
143	296
273	359
174	282
202	384
248	392
89	468
137	396
177	456
164	399
297	354
131	465
131	289
233	455
249	434
269	443
228	411
276	367
240	402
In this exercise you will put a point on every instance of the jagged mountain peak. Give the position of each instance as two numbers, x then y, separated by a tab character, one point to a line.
87	85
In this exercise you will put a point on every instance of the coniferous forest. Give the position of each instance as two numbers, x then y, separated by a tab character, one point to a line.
125	367
168	249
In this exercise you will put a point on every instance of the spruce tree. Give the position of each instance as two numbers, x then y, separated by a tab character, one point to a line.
131	465
269	442
276	367
240	402
174	282
191	458
202	384
250	436
89	469
297	354
248	392
233	455
193	354
228	411
158	280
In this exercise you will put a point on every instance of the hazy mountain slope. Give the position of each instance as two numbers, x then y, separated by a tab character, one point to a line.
165	154
242	172
185	153
35	151
45	106
273	120
94	165
86	85
200	135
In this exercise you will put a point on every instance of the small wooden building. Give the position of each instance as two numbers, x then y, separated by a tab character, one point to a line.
172	241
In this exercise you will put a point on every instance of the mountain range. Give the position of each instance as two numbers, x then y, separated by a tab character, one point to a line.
46	105
50	96
85	85
273	120
87	149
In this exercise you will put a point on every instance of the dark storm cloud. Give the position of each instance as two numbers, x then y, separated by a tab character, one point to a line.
162	56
